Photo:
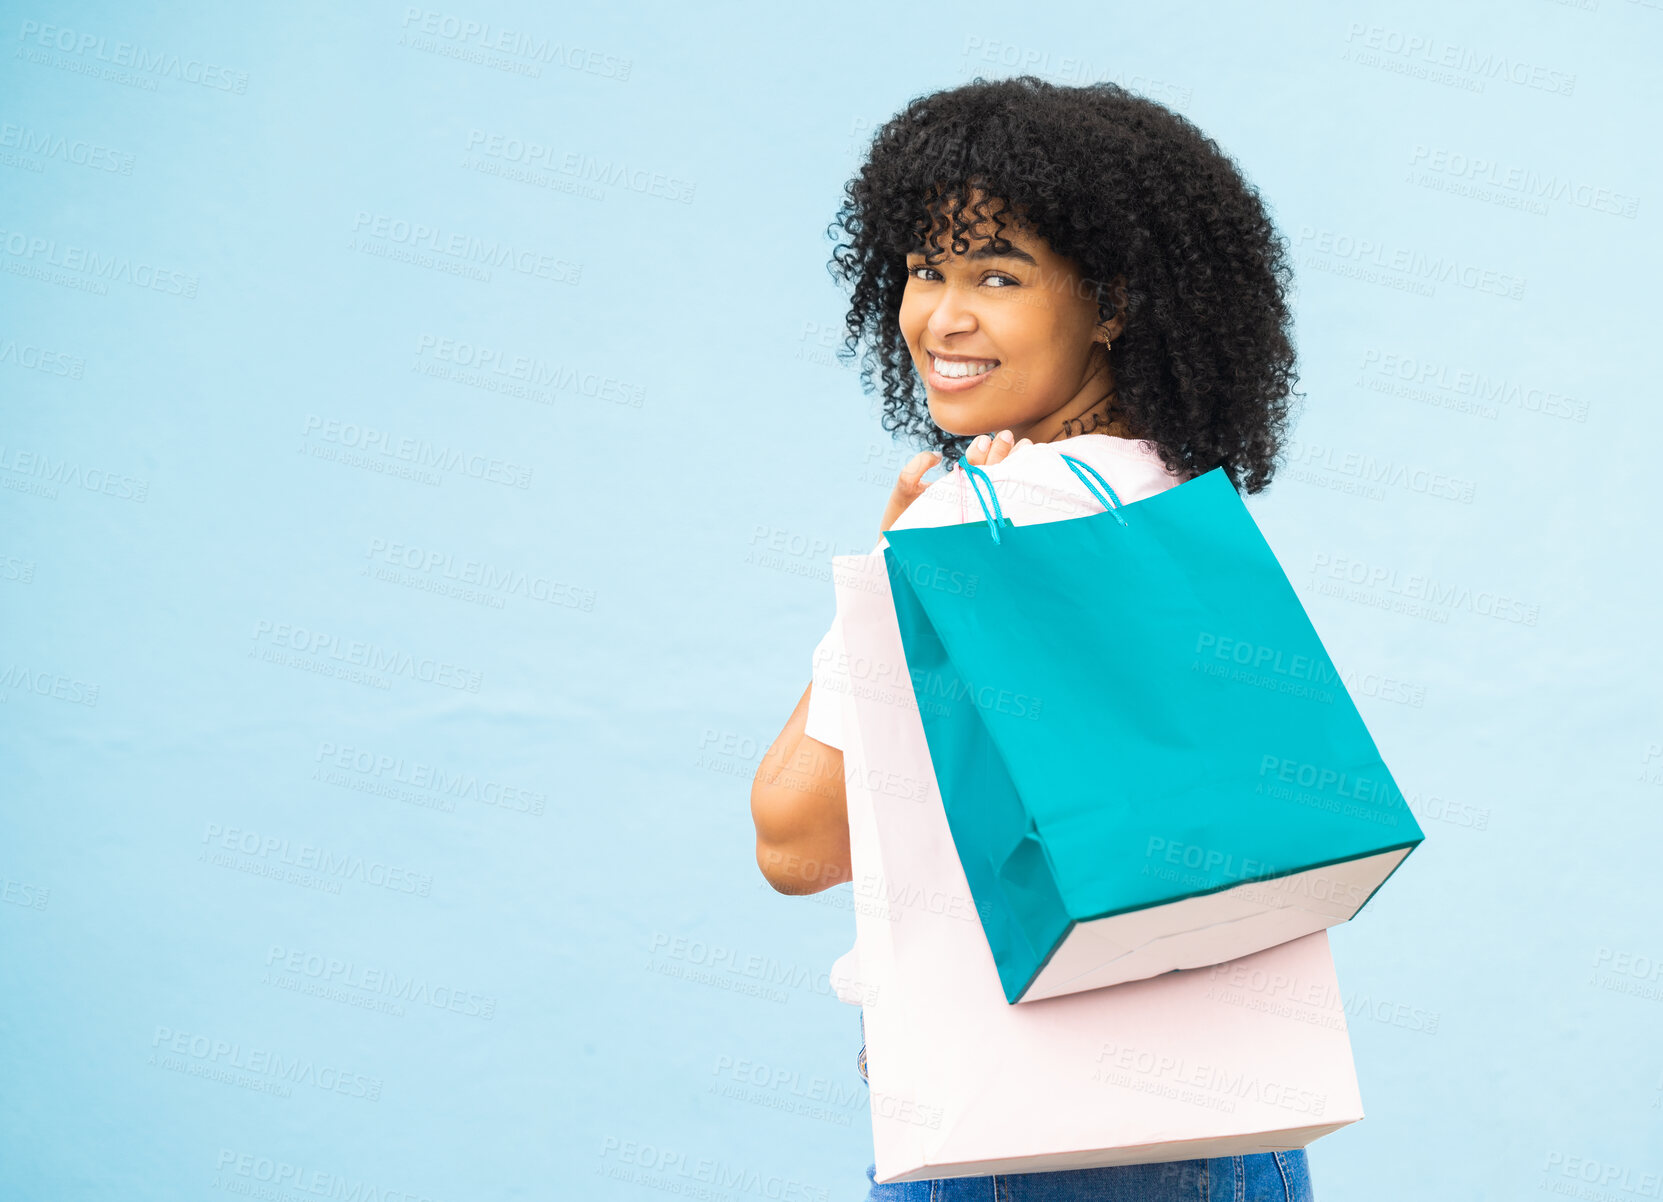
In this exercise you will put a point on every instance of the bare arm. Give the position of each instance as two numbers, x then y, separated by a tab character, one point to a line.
798	804
800	811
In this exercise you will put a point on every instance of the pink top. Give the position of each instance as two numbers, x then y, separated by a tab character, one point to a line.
1038	474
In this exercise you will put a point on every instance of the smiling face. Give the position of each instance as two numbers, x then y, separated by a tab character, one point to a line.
1006	336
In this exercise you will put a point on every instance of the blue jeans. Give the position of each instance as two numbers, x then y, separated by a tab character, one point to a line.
1260	1177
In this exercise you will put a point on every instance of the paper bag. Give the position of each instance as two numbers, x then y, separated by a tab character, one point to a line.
1246	1056
1148	760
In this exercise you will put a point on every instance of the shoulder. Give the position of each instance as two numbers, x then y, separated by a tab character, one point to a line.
1132	466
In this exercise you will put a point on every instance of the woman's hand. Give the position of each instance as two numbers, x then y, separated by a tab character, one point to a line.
908	486
983	452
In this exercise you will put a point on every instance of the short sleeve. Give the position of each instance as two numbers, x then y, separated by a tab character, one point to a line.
828	688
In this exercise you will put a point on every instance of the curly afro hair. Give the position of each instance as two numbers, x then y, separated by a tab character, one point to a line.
1204	364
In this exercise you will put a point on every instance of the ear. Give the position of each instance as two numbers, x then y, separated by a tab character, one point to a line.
1114	325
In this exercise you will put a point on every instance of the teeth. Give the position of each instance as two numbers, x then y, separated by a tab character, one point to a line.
954	371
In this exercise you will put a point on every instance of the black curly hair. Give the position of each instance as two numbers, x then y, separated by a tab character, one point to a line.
1124	187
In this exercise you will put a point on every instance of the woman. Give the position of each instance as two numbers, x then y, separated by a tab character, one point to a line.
1001	240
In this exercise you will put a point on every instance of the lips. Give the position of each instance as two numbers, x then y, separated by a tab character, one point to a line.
974	371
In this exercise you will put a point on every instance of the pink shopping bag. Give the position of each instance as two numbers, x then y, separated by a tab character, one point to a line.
1251	1055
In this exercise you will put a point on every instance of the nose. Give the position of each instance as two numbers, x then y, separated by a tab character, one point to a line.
954	313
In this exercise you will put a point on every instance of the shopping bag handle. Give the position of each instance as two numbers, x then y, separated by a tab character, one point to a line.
1076	465
978	477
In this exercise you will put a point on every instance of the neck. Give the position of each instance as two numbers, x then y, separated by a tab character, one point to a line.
1093	410
1099	418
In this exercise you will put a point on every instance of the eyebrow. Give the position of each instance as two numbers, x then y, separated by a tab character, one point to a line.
986	251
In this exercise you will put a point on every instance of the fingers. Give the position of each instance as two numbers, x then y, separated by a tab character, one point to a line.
909	486
986	451
1001	447
911	474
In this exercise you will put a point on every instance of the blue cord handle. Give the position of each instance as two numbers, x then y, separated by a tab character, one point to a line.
978	477
1076	465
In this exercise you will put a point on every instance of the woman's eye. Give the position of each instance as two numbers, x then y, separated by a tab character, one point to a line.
999	277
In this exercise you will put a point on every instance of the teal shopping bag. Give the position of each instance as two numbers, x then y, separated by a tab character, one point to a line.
1147	758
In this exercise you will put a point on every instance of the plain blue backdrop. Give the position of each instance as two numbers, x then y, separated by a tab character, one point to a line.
423	449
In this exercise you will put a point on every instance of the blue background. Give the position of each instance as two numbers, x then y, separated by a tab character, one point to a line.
545	963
